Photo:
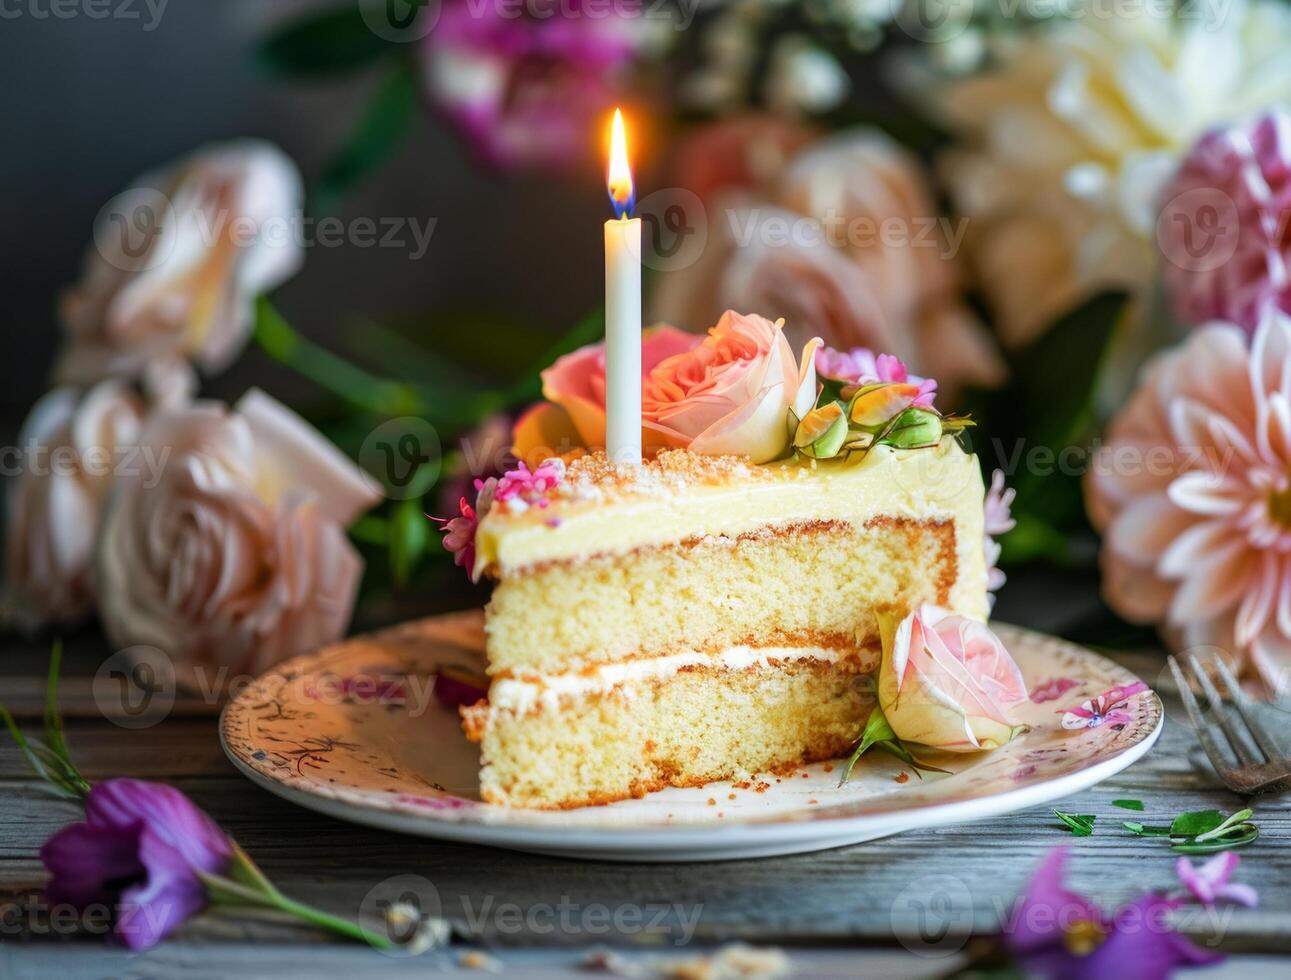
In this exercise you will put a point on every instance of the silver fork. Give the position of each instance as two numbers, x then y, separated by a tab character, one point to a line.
1262	765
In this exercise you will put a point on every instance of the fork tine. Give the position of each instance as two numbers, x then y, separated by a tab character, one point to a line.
1222	713
1268	745
1208	743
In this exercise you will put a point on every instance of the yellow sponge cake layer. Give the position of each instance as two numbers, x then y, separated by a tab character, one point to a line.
816	583
561	748
701	554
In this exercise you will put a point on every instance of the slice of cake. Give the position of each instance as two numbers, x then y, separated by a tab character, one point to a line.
701	616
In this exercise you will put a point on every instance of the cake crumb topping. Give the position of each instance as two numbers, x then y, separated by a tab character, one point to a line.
596	477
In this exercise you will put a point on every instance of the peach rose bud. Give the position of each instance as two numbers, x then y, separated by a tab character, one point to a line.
947	682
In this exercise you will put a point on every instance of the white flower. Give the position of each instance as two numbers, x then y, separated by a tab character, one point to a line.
72	446
178	261
1070	132
235	554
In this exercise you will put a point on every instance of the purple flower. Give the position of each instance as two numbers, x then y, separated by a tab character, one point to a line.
1058	934
527	90
1223	228
140	850
1210	883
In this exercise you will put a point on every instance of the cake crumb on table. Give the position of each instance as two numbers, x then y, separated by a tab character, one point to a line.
731	962
474	959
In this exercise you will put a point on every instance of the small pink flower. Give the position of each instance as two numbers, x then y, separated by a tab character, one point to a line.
459	532
1104	709
998	522
1052	690
861	366
1223	226
1210	883
519	488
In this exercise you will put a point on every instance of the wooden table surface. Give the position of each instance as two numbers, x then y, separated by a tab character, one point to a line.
903	906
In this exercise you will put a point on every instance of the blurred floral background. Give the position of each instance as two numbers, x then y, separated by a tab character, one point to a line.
383	219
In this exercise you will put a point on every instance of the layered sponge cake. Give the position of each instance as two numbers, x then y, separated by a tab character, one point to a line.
702	617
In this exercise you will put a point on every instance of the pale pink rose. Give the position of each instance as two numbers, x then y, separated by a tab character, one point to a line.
178	261
1225	230
573	415
1192	491
946	681
70	447
844	243
733	394
235	556
747	153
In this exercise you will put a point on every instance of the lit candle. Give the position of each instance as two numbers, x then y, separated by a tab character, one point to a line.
622	309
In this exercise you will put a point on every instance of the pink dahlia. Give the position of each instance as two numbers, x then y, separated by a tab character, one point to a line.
1225	227
1192	492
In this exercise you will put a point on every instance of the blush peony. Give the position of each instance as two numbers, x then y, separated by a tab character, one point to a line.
1192	491
843	239
237	557
733	393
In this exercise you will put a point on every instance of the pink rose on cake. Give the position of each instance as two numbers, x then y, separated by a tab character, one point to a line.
727	393
947	682
732	394
573	415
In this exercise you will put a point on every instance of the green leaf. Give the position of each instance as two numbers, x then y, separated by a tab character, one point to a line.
1081	824
378	135
1244	834
1195	822
1142	831
409	537
1128	804
326	43
1240	817
876	730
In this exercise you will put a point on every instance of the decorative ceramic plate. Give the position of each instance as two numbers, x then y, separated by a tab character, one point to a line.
354	731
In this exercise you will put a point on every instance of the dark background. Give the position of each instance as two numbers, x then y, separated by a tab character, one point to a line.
89	104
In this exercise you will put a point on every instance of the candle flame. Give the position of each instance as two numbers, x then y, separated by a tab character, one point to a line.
622	193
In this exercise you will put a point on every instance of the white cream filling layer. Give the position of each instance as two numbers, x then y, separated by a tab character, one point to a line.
522	695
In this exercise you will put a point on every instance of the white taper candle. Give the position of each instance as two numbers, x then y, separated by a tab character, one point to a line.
623	340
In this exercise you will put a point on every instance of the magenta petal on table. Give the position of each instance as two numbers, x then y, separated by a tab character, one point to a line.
1211	882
